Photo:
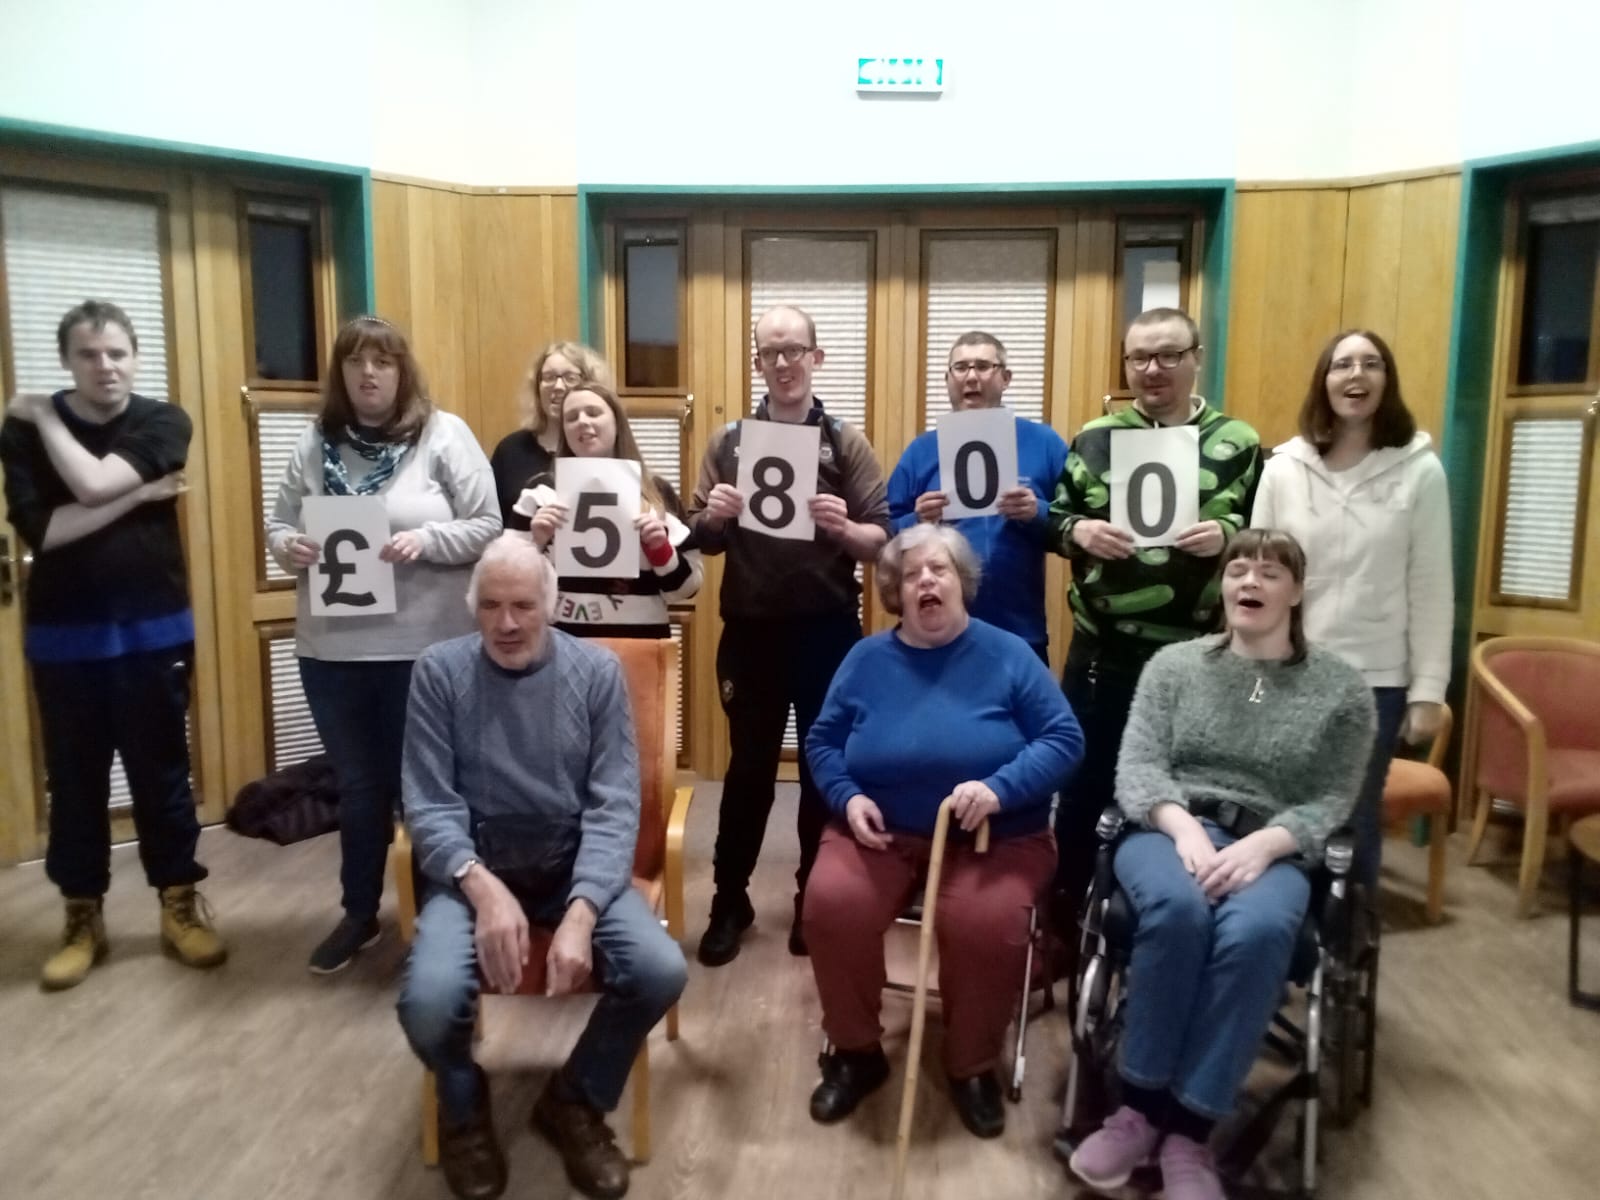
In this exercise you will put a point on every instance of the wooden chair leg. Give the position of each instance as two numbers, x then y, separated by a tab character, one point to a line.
672	1023
430	1121
1436	864
1534	836
1480	822
641	1104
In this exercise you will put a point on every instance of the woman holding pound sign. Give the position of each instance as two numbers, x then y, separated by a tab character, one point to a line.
378	434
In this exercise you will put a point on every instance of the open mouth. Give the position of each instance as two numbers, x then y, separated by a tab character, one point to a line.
1250	602
929	601
1356	393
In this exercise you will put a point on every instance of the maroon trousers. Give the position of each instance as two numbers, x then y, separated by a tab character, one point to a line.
981	927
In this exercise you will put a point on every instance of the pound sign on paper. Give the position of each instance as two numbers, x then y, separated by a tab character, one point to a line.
334	570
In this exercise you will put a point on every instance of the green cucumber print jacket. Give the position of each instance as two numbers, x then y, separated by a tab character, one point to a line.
1160	595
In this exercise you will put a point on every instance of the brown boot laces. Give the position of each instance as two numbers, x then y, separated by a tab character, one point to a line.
80	922
188	908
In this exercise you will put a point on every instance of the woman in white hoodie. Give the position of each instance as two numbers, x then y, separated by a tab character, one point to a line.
1362	490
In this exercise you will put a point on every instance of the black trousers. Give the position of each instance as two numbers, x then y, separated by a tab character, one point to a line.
135	706
1099	685
763	667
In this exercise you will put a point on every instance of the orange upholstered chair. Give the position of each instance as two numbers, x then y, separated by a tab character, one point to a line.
1536	740
1422	789
651	669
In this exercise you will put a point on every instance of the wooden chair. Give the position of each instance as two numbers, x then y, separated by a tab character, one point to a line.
1536	741
1422	789
651	670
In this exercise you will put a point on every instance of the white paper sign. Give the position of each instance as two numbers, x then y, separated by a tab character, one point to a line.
977	459
602	499
349	579
1155	482
778	477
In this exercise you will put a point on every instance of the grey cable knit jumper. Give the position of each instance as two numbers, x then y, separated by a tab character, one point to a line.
1295	755
553	741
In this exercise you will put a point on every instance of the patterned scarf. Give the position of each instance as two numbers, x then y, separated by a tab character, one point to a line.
385	456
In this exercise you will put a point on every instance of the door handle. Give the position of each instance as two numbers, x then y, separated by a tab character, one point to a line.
11	570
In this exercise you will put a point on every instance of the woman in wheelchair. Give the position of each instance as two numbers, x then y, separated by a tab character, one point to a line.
1243	752
943	705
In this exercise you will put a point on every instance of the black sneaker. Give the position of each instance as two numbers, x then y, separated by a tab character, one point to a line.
730	917
797	932
349	937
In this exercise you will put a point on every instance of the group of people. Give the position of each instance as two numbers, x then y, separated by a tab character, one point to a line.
509	750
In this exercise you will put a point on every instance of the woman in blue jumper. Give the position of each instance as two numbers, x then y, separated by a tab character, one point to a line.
942	706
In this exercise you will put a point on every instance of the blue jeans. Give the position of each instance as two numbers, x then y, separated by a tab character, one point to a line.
360	711
1368	817
641	973
1205	979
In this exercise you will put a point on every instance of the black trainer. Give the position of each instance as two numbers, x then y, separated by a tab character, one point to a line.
848	1078
730	917
349	937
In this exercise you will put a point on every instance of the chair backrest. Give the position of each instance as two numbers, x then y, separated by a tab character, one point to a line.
1556	678
650	667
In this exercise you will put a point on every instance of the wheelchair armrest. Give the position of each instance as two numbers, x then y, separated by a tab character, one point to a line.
1339	853
1109	827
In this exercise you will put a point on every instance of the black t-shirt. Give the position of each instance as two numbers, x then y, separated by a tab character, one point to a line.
515	462
131	570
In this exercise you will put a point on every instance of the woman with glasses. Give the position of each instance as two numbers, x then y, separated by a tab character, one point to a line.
1364	492
530	451
592	424
378	434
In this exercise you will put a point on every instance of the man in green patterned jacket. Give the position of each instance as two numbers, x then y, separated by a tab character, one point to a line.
1129	602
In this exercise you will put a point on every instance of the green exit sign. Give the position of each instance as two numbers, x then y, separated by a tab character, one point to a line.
900	75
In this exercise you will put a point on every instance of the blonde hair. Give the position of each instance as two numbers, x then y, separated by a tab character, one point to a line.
590	363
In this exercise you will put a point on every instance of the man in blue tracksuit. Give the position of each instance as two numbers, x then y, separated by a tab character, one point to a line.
1011	543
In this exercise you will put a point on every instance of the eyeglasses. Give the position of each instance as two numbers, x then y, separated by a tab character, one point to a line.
981	367
1371	365
769	355
1165	359
570	378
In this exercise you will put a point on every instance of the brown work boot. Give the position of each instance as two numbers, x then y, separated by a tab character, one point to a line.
588	1147
474	1165
187	929
83	944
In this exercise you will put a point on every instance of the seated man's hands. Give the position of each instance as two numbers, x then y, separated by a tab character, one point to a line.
973	803
570	960
500	932
866	823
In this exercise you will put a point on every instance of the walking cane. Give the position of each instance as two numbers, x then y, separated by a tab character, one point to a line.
919	1002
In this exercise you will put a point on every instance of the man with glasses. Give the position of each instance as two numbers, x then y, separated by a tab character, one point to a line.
1010	545
790	613
1127	603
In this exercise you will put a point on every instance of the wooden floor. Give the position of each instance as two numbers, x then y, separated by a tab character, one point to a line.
261	1081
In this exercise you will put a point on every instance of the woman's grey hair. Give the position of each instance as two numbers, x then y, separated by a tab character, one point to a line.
890	558
516	549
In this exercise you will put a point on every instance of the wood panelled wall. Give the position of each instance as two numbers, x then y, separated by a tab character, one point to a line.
481	282
1310	261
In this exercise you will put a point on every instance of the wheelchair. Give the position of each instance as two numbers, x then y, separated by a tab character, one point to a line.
1330	1045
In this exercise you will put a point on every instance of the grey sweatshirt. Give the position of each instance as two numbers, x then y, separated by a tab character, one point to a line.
443	489
1295	756
553	741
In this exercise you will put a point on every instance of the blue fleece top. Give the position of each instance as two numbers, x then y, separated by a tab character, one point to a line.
903	726
1011	593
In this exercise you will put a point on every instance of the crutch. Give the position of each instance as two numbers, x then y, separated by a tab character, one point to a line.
919	1002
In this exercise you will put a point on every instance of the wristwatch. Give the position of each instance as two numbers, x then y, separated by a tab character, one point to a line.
461	871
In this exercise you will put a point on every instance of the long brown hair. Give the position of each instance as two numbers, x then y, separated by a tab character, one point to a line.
1392	423
1277	546
412	408
590	364
626	445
